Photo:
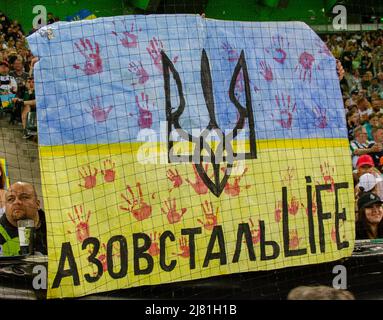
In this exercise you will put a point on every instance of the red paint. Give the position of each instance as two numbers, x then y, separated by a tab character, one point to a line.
90	180
185	249
255	233
198	186
171	212
276	49
154	50
130	39
145	119
294	239
266	71
137	206
286	110
93	61
98	112
109	172
154	249
320	117
139	71
327	172
232	54
306	61
81	223
278	211
234	189
210	217
175	178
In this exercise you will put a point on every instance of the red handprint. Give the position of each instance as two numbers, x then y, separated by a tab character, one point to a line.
294	206
130	39
171	211
145	116
320	117
313	206
93	61
294	239
234	189
198	186
109	172
285	111
266	71
154	50
305	65
139	71
89	178
210	216
255	233
99	113
232	54
278	211
327	172
102	258
137	206
175	178
333	234
154	250
288	177
276	50
82	223
184	248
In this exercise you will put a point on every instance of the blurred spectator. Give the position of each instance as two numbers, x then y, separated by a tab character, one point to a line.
370	217
373	121
319	293
353	120
20	76
359	146
8	83
377	145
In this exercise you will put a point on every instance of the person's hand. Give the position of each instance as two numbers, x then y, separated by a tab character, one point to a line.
340	70
377	147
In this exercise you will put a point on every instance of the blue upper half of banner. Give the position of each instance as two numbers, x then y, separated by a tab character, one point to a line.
103	80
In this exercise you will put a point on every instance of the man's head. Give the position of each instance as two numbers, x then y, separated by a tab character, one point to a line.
360	134
365	164
18	65
377	133
4	68
21	202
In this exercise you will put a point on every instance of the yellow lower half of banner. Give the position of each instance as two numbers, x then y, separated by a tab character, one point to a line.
116	222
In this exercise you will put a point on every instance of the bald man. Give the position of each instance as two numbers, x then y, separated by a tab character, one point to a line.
21	202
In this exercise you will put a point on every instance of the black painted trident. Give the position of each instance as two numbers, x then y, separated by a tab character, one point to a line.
172	118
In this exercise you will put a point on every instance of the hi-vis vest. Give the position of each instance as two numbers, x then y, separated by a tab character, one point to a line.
11	247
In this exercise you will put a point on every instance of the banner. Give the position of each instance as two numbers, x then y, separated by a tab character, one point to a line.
175	147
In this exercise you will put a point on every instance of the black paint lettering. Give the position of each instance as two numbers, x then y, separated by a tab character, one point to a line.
123	252
66	253
191	232
310	216
274	245
173	263
340	215
216	235
286	230
93	258
321	215
244	229
140	253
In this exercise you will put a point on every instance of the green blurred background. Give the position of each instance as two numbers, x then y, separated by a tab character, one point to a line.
315	12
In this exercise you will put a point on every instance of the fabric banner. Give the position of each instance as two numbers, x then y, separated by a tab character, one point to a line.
175	147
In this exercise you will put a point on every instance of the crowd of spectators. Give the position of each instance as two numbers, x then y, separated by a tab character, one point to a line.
361	55
16	75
